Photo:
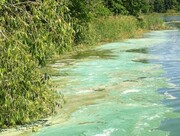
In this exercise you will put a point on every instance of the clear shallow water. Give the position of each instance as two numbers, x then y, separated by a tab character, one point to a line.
133	88
169	58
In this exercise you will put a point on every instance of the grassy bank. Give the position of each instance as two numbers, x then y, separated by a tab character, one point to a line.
123	27
117	28
109	29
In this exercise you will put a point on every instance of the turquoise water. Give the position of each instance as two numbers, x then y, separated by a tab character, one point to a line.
128	88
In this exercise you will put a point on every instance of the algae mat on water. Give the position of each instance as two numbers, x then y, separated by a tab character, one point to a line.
118	92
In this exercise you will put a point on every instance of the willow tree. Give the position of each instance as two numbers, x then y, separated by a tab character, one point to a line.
40	26
23	95
30	32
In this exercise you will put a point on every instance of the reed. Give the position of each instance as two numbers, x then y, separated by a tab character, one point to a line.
123	27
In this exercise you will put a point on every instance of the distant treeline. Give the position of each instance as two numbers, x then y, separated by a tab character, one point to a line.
31	31
136	7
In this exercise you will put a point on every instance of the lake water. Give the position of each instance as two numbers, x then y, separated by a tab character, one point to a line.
129	88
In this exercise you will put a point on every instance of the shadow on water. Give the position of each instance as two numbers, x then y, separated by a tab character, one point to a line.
139	50
104	54
57	63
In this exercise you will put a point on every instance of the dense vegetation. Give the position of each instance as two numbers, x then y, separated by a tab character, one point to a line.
31	31
136	7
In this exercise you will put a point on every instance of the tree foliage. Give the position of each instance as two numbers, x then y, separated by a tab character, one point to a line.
40	26
30	33
23	96
136	7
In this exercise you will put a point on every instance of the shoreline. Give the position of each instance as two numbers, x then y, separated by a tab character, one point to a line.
26	130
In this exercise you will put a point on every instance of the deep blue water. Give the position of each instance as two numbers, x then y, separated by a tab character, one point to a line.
169	54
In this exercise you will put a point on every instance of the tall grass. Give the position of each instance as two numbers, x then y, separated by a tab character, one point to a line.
123	27
152	22
113	28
